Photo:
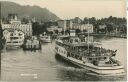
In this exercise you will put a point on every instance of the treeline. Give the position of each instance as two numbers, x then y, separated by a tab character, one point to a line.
39	28
112	24
2	40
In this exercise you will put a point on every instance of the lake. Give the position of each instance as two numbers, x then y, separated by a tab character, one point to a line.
43	65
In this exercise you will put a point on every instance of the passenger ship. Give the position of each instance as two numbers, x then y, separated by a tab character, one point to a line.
45	38
88	55
14	38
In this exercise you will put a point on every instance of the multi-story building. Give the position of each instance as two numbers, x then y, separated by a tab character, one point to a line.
61	24
68	24
65	24
54	28
83	27
15	23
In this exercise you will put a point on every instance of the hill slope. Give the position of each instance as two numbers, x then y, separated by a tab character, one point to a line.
41	14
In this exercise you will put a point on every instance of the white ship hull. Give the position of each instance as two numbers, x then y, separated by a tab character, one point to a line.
46	40
13	45
101	71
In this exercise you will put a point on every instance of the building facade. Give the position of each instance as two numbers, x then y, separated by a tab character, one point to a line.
15	23
61	24
54	28
68	25
65	24
83	27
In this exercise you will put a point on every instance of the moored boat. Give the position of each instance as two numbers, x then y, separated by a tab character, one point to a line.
45	38
14	38
32	44
88	55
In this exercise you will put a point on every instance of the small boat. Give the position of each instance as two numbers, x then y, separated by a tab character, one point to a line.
32	44
45	38
89	56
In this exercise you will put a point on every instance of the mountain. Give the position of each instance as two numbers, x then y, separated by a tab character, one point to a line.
41	14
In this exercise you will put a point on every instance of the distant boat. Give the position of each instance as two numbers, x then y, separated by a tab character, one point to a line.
87	55
32	44
45	38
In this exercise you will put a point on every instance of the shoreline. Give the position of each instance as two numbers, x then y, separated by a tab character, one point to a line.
109	35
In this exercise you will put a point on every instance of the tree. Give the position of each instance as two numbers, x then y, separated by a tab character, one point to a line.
1	36
109	27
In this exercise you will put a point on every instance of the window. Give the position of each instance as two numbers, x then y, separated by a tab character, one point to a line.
90	58
15	42
104	57
13	37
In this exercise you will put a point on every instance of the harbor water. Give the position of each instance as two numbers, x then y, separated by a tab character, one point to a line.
43	65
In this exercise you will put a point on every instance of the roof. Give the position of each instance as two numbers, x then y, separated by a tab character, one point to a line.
12	30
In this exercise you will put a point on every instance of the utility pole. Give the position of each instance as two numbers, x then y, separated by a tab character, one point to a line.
88	36
0	39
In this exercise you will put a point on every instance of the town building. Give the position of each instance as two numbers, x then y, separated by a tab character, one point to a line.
83	27
65	24
54	28
62	24
16	23
68	25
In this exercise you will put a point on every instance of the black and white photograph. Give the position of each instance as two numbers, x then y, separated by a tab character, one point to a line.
63	40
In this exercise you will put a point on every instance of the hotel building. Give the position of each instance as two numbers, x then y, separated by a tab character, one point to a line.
68	24
15	23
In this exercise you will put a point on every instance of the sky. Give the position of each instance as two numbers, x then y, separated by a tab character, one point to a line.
67	9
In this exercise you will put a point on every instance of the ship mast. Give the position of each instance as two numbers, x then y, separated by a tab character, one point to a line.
64	26
88	36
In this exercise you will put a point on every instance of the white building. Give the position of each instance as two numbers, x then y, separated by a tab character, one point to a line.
15	23
54	28
65	24
83	27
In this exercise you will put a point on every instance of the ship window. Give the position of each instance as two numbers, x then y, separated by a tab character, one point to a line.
64	52
71	41
15	42
104	57
90	58
76	40
13	37
11	34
